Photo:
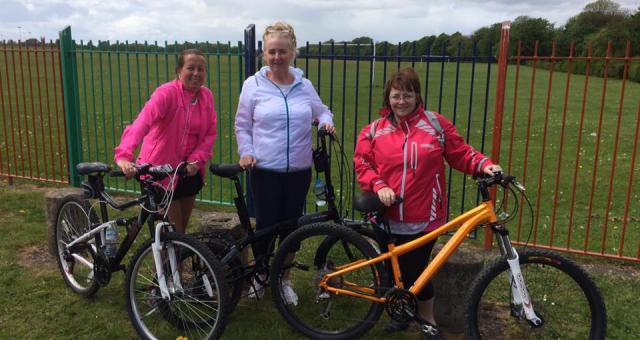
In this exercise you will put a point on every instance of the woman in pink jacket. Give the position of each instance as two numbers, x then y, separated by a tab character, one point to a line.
403	154
177	124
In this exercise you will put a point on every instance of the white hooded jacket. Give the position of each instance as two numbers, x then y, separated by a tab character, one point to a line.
274	126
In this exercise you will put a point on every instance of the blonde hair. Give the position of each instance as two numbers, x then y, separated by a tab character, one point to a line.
281	29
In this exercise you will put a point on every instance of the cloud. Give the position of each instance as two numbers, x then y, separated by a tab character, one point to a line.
314	20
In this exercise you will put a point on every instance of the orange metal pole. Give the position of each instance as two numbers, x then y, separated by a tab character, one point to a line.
499	108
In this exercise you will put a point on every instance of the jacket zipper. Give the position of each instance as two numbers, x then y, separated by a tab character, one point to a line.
286	106
404	170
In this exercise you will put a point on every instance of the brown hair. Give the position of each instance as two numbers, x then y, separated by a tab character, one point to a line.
184	54
280	29
405	79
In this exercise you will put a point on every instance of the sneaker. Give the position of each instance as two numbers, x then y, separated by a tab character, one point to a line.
430	331
290	296
256	290
395	326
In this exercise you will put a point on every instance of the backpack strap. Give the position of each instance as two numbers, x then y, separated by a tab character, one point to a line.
372	130
433	119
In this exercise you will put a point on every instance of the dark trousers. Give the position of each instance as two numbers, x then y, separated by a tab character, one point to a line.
412	264
277	197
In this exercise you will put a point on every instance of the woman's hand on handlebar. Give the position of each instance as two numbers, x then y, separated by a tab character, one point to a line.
492	169
329	128
247	162
192	168
387	196
128	168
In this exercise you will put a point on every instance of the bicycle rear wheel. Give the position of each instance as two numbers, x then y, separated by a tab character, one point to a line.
562	294
318	314
76	263
197	309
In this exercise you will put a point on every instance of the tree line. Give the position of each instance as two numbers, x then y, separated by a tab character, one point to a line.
600	23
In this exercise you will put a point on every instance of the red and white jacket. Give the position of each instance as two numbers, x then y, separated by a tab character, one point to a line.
407	157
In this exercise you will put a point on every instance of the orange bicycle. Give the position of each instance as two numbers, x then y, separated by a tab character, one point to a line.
526	293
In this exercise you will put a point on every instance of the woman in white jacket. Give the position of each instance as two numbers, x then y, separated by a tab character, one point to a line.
273	130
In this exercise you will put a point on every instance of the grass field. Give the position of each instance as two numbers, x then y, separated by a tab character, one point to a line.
36	303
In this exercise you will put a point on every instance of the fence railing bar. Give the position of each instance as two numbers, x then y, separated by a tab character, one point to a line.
30	79
468	134
4	121
627	204
48	110
585	92
614	157
543	146
22	113
41	112
344	96
62	141
525	165
556	188
597	149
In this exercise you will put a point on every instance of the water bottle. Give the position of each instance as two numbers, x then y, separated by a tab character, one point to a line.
111	240
320	190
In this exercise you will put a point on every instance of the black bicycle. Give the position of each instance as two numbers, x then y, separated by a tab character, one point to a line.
175	286
255	273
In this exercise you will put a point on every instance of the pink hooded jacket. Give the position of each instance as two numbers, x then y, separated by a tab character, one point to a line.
163	124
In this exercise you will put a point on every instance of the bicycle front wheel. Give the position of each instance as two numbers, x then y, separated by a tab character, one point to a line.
76	262
562	295
295	283
197	305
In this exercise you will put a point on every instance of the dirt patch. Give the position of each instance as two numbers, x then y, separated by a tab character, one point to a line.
613	270
36	259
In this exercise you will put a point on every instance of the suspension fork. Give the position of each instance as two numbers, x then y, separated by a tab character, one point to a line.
156	248
521	304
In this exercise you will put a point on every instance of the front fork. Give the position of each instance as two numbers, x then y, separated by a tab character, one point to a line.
170	251
521	305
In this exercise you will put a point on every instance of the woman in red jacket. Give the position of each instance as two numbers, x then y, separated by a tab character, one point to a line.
402	154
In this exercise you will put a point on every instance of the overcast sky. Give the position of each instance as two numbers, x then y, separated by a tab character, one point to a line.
313	20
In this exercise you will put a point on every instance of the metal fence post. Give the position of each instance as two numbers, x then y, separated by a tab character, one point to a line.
499	110
249	70
249	51
71	103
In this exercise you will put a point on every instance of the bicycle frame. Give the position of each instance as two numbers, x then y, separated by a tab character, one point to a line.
465	223
95	188
322	164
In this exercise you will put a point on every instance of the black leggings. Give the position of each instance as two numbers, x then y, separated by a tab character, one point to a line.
412	264
277	197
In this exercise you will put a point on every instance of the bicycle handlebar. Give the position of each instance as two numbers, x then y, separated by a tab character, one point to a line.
157	172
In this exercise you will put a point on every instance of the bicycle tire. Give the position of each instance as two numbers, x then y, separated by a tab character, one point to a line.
326	316
73	219
562	293
219	242
198	311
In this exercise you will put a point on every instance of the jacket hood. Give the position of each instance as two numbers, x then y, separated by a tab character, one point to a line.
296	72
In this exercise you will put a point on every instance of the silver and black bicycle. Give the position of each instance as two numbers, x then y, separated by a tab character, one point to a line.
175	286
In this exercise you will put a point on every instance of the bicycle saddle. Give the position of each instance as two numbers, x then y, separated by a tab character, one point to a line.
368	201
92	167
226	170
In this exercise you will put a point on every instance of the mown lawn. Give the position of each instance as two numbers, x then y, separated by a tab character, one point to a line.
36	304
